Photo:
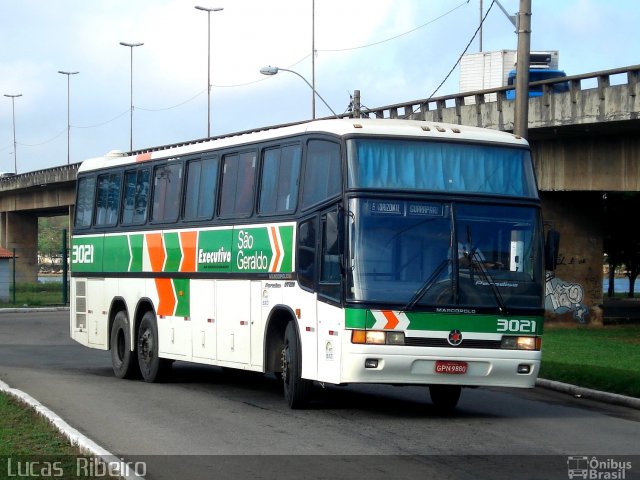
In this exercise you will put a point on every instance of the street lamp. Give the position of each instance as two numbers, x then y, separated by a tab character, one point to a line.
13	109
131	45
274	70
68	74
209	10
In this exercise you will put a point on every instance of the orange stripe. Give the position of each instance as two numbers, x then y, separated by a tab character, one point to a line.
143	157
392	320
188	242
167	303
155	248
278	253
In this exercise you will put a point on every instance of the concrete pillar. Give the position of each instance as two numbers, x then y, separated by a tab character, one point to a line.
574	290
21	231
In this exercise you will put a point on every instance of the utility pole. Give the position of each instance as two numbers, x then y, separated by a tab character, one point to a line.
356	104
313	59
480	26
15	150
521	115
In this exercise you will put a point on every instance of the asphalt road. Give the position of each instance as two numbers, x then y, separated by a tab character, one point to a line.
208	423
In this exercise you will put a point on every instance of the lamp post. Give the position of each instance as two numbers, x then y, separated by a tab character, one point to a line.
13	110
131	46
68	74
274	70
209	10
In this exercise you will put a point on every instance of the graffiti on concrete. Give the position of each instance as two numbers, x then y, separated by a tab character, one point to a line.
561	297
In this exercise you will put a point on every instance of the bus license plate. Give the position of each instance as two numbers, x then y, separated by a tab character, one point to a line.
450	367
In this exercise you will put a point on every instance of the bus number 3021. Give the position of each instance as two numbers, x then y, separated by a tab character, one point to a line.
82	254
515	325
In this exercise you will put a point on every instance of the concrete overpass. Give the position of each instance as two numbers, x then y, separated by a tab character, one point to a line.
24	198
584	143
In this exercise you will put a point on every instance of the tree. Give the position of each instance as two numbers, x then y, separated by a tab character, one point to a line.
621	245
50	235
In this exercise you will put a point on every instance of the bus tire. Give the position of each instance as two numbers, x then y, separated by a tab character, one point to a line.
152	367
297	390
123	360
445	397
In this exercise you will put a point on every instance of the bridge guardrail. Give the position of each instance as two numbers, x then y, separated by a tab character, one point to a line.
416	109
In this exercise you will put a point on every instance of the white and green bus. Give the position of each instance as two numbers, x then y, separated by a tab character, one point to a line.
338	251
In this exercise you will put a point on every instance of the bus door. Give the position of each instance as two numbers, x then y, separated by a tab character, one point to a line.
234	321
330	314
203	318
96	312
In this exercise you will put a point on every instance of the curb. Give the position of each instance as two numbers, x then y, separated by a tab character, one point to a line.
582	392
33	309
74	436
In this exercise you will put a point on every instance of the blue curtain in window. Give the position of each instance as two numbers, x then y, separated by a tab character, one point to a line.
451	167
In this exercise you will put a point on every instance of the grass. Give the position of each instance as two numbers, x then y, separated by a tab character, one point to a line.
29	441
605	358
35	295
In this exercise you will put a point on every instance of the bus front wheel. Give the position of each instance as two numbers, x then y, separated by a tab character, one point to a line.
297	390
445	397
123	359
152	367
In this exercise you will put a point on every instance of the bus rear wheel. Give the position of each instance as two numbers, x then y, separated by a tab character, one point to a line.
123	360
152	367
297	390
445	397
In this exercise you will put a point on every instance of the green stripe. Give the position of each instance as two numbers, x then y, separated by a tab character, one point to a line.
181	287
136	243
286	234
117	253
430	321
174	254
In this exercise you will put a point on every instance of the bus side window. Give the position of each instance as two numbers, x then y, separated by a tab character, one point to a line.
107	199
84	203
280	179
323	172
202	182
136	193
306	254
238	178
167	185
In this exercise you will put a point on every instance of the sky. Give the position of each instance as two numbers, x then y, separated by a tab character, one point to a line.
393	51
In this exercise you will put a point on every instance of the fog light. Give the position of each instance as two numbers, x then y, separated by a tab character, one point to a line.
371	363
524	368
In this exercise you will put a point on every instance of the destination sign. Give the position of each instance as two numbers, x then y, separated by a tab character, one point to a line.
385	207
425	210
401	208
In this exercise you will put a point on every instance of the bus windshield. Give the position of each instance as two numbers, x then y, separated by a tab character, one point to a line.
419	254
424	165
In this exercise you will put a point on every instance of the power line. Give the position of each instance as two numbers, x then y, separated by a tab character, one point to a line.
42	143
457	61
173	106
395	36
103	123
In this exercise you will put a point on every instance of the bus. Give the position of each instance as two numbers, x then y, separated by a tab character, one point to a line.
342	251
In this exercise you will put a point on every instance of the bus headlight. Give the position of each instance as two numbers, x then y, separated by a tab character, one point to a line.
521	343
376	337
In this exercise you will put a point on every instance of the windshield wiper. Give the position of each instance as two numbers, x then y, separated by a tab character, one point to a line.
427	285
475	258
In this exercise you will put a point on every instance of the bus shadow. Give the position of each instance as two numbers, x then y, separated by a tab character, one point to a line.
399	402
